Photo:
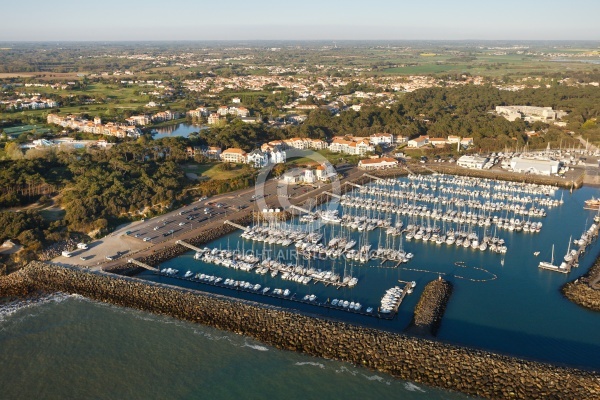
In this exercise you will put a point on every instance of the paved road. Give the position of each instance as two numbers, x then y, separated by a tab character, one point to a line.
142	238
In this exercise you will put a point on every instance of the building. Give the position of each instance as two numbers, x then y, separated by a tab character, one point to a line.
530	113
223	111
377	163
277	156
384	139
198	112
214	118
234	155
535	166
438	142
325	172
473	162
418	142
212	152
298	175
351	145
257	158
141	120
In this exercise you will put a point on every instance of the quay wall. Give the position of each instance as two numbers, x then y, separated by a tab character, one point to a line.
450	367
431	306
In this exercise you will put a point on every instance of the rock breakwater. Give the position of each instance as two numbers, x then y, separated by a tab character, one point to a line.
585	291
451	367
431	306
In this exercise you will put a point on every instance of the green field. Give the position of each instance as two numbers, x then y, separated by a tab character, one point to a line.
215	171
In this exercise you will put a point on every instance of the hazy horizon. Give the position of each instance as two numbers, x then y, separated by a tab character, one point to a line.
186	20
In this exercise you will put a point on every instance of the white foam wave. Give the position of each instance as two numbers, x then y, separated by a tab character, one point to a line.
314	364
8	309
256	347
411	387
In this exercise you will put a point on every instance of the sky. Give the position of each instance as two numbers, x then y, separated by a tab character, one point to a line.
112	20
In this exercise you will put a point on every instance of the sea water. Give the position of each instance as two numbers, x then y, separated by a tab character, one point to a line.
67	347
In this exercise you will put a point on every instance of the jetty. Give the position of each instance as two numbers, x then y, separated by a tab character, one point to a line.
373	177
304	210
189	246
228	222
141	264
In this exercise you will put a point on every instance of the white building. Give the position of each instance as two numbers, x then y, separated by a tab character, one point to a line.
377	163
277	156
257	158
384	139
473	162
418	142
533	166
297	175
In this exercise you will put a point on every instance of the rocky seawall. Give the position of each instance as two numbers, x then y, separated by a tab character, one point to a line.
585	291
431	306
451	367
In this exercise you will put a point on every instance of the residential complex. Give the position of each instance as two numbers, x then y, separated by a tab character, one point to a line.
95	127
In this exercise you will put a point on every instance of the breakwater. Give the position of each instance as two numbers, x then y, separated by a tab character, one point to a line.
451	367
431	306
585	291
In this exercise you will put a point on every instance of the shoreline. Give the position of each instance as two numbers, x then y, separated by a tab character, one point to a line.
434	363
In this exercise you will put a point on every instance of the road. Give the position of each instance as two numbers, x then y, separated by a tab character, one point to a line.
141	238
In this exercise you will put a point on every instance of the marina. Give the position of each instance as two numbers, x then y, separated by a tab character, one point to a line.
479	276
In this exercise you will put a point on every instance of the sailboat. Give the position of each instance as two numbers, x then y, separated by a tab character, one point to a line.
548	265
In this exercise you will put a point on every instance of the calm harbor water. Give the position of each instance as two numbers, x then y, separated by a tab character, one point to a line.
181	129
67	347
521	312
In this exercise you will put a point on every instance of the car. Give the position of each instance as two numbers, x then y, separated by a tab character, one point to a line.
156	228
109	258
147	239
181	223
137	235
171	231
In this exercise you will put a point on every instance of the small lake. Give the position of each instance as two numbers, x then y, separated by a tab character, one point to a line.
182	130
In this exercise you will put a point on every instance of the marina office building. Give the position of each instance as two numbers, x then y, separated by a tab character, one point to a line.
535	166
472	162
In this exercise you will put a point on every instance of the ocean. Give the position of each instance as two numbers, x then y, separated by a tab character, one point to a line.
68	347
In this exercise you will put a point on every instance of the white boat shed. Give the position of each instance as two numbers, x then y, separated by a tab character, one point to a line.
533	166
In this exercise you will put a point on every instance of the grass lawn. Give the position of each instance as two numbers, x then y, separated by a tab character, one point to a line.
333	158
215	171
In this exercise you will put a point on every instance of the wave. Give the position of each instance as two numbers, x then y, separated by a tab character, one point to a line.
314	364
10	308
256	347
411	387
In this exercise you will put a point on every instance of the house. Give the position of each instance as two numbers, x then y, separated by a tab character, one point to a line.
325	172
198	112
453	139
385	139
466	142
242	112
257	158
236	100
418	142
472	162
351	145
298	175
234	155
223	111
377	163
142	120
212	152
214	118
438	142
249	120
277	156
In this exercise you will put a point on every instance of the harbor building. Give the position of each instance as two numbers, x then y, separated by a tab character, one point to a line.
377	163
535	166
473	162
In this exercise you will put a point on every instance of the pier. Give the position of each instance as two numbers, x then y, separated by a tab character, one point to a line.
228	222
373	177
189	246
141	264
304	210
337	196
